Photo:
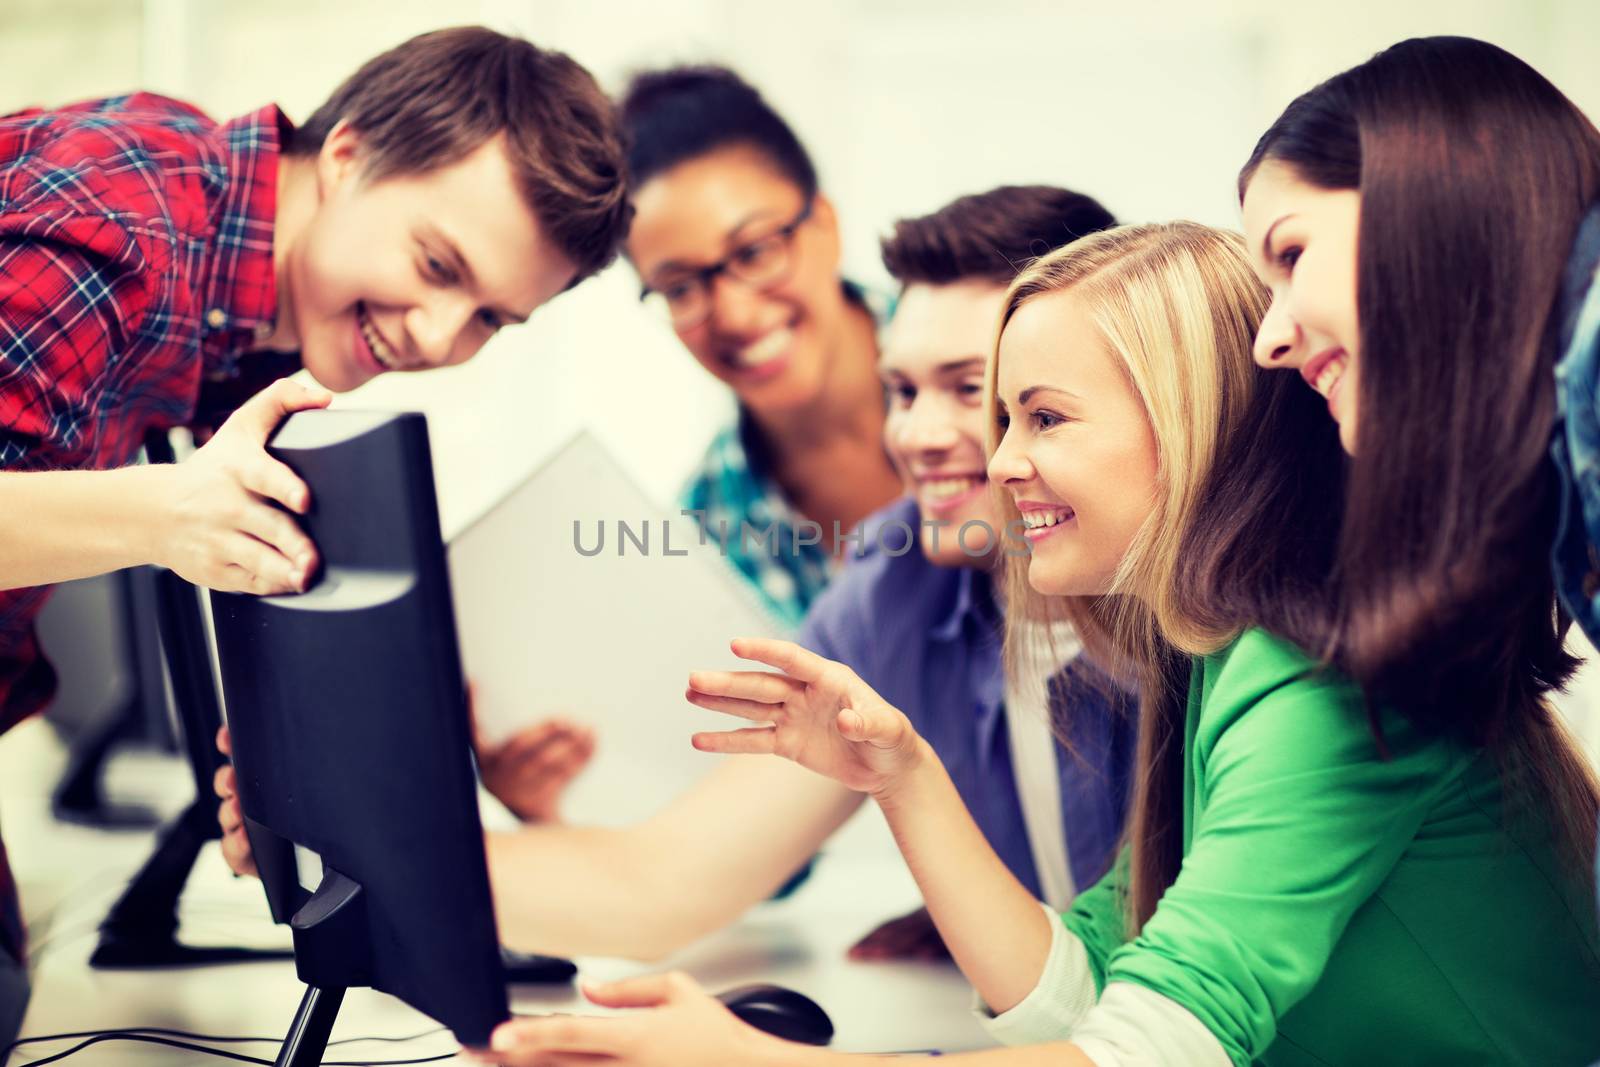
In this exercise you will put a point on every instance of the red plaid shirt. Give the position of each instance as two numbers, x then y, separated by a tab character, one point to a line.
135	269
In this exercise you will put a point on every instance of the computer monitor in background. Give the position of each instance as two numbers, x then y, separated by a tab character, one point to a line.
348	713
141	928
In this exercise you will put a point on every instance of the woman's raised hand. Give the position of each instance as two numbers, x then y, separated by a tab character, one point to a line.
817	713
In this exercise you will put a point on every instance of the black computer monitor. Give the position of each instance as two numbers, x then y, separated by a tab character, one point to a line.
350	733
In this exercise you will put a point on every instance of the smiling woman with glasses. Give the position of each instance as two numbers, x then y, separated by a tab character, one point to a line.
684	296
739	251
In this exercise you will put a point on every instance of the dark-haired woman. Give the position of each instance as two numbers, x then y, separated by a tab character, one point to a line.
739	248
1428	224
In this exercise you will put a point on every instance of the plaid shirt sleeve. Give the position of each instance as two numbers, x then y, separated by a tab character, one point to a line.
66	310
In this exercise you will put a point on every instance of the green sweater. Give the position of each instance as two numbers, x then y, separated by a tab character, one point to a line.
1337	908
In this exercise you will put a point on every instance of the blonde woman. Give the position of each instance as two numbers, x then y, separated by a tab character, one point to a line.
1297	890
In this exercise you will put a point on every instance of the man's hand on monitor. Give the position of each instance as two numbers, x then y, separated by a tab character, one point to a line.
216	525
910	937
530	771
235	843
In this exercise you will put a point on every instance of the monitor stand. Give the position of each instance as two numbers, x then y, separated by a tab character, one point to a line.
141	928
79	796
332	954
307	1039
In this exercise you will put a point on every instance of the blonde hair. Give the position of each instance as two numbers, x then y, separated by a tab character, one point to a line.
1177	306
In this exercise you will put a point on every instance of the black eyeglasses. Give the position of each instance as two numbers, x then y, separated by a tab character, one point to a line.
761	263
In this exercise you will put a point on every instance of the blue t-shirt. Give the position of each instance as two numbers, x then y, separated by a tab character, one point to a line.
928	639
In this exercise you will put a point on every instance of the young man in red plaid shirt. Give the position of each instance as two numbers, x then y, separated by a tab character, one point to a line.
157	269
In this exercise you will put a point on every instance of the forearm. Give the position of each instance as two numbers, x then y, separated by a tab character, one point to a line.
562	890
595	891
645	891
59	525
1055	1054
995	929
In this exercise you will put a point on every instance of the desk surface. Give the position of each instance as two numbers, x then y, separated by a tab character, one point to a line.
69	876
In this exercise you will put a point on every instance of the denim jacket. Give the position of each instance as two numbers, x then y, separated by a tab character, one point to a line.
1575	445
1576	442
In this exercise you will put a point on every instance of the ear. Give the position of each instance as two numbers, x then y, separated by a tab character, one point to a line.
340	160
826	220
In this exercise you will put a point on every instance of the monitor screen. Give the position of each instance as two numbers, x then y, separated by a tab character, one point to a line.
348	713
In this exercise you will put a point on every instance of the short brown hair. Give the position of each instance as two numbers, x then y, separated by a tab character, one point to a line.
990	236
431	101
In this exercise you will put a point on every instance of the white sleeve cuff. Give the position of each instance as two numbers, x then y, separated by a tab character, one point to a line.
1133	1027
1130	1026
1063	996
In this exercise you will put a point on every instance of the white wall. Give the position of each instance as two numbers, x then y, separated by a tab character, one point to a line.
1151	106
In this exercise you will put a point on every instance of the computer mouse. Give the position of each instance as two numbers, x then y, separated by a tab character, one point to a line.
780	1012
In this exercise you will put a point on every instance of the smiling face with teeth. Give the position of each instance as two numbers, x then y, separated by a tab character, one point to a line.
774	346
1078	456
1303	242
407	272
932	369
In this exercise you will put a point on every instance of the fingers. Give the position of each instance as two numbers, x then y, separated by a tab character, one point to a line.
535	1041
746	685
266	477
645	991
261	569
537	1057
279	532
553	764
564	757
229	815
787	656
236	851
912	937
260	415
878	945
756	741
530	740
745	709
529	772
224	741
551	744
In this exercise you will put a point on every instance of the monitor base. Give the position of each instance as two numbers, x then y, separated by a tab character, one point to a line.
141	928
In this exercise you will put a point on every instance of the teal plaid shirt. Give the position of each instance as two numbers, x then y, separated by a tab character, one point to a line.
739	504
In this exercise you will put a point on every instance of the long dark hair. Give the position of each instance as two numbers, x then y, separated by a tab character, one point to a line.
1435	594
